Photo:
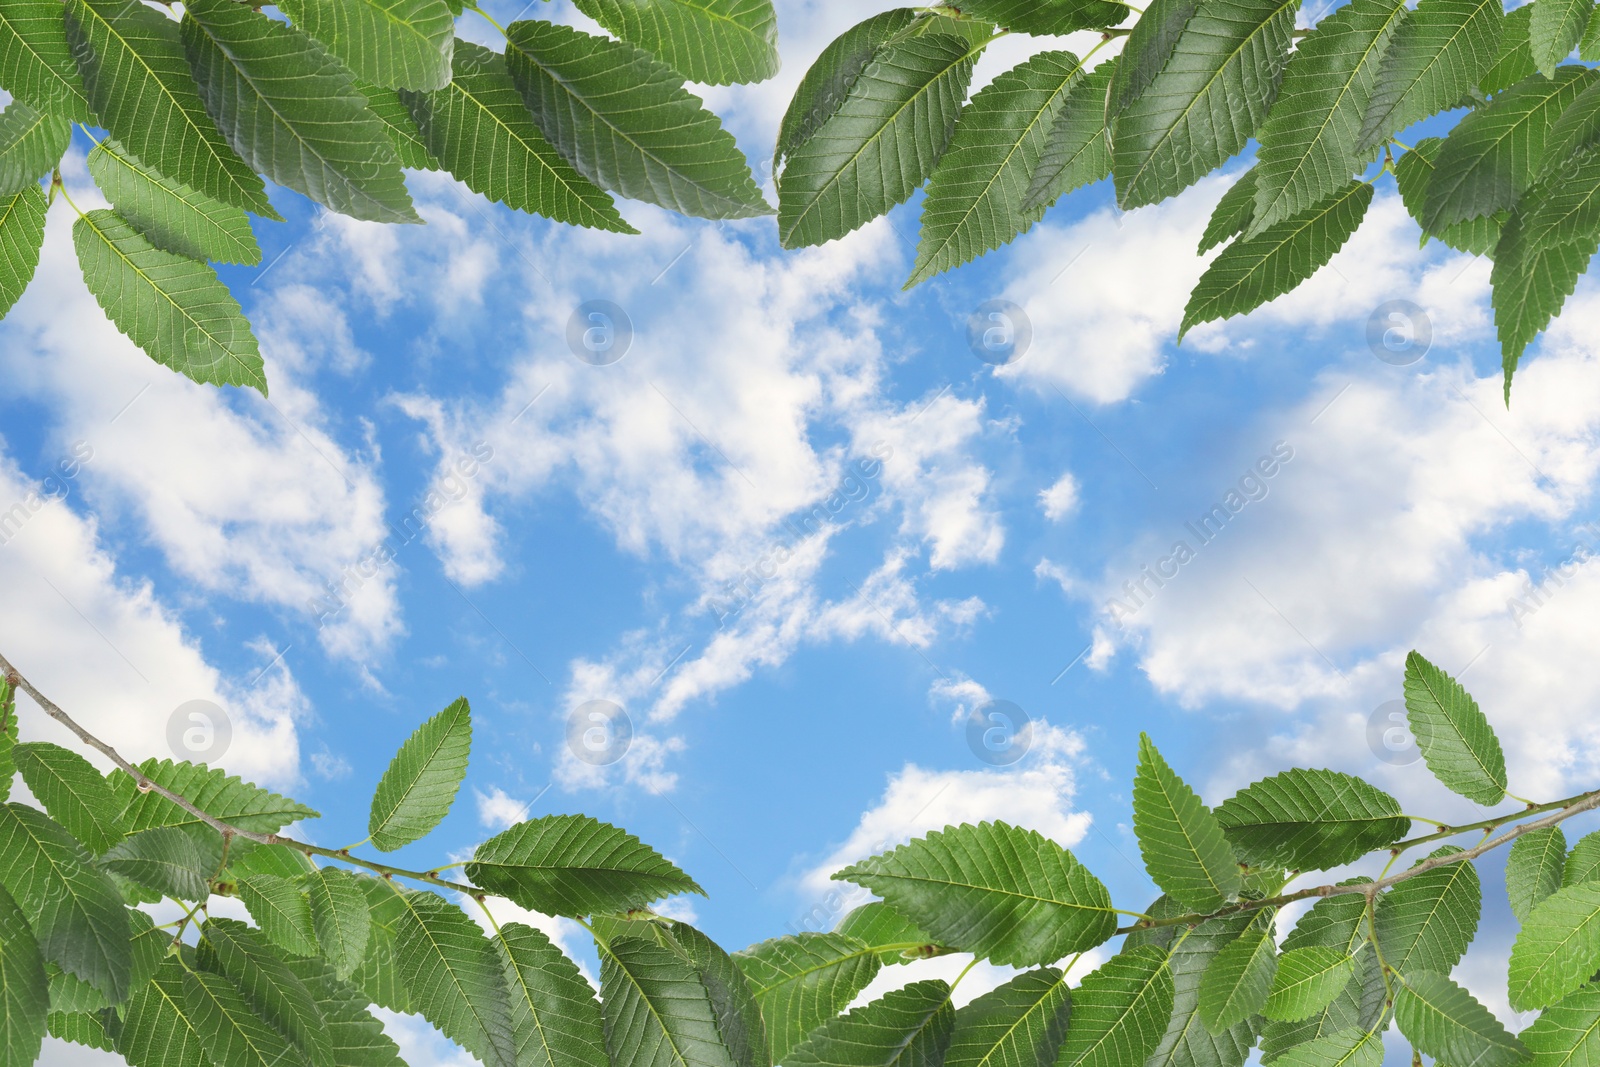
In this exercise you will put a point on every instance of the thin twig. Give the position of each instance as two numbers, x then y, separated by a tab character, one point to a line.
1562	811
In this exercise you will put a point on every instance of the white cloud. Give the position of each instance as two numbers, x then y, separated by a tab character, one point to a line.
1036	793
1105	294
498	810
249	498
102	646
1060	499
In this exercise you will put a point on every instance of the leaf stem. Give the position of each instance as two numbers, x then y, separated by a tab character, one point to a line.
963	974
487	18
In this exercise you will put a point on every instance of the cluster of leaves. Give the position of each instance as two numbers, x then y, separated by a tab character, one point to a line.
1517	178
190	117
1199	980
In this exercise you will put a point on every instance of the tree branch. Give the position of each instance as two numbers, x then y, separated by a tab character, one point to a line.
227	830
1561	810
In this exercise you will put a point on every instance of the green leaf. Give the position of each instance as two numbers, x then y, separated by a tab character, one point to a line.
657	1011
73	909
454	977
229	1031
270	989
1413	171
1456	739
974	202
1564	208
1575	130
1567	1034
141	91
733	1004
879	145
93	1029
1485	165
1119	1011
1583	865
1209	98
31	144
1020	1024
341	918
1427	923
626	122
357	1038
554	1015
164	859
170	214
36	64
575	865
1308	980
15	262
158	1027
1047	17
1347	1048
398	44
215	792
1534	869
421	783
1555	28
281	910
803	980
1515	60
1439	53
1589	47
1309	142
479	130
1150	44
387	108
1240	977
1232	213
909	1027
1187	1042
1179	838
248	857
714	42
877	924
826	85
1339	923
378	977
24	991
1254	271
293	111
174	308
72	791
1444	1021
1004	893
1530	281
1558	948
69	994
1076	152
1308	820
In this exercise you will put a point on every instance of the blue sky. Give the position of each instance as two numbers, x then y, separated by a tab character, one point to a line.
610	508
